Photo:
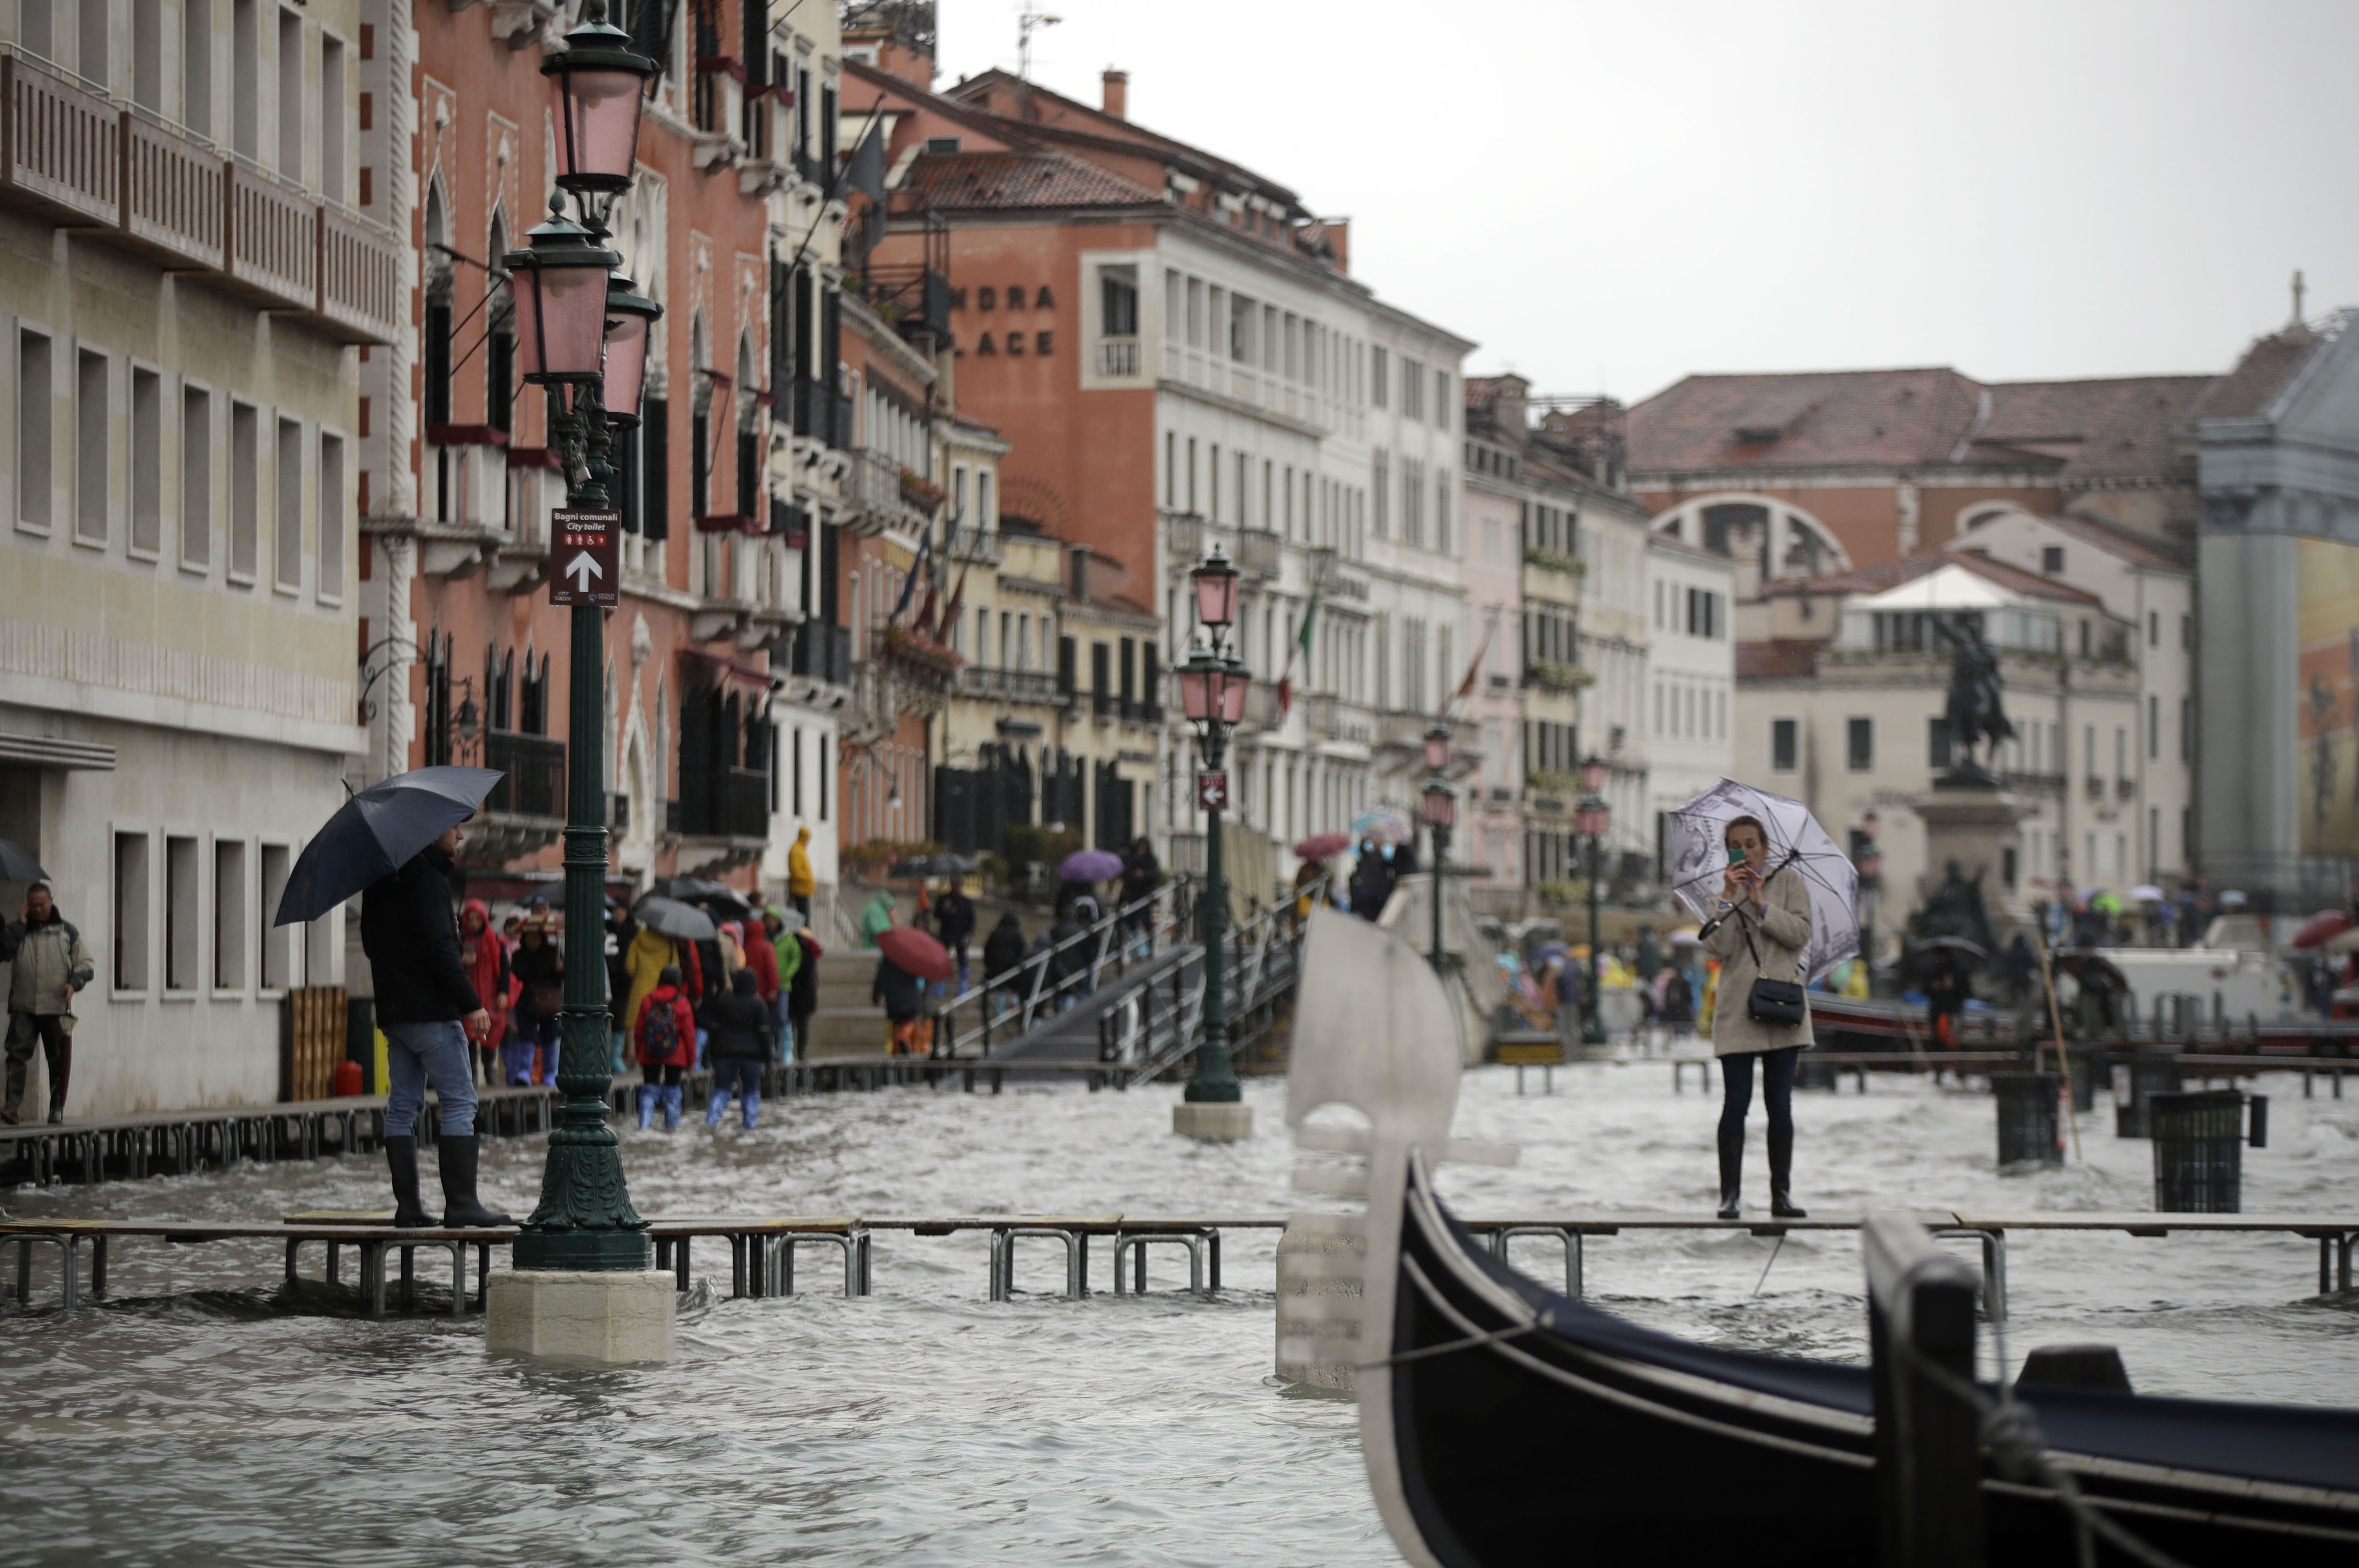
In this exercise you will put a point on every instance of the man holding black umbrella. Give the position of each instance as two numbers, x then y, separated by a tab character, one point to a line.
425	1005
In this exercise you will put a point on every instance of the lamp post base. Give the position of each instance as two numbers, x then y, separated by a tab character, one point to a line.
604	1318
1214	1120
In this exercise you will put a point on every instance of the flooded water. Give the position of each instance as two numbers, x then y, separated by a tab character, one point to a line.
205	1415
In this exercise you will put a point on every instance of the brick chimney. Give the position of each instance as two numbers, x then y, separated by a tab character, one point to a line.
1116	84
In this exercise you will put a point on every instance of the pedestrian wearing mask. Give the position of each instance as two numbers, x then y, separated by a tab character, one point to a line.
49	964
1764	925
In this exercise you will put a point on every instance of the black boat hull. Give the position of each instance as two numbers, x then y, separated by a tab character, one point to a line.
1530	1427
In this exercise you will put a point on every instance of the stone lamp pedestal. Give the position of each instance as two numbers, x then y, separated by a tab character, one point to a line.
1216	1120
605	1318
1970	821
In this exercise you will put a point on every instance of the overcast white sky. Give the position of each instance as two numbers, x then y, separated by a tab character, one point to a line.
1607	197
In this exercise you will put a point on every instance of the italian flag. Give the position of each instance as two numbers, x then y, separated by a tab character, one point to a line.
1301	650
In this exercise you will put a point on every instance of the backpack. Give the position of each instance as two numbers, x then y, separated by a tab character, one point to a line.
659	1032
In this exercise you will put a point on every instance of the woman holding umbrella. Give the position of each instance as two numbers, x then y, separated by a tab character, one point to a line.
1762	929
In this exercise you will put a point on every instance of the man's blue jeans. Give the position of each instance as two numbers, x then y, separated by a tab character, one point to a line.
417	1054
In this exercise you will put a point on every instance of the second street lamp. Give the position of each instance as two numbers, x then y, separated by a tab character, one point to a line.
1212	688
1440	803
1589	820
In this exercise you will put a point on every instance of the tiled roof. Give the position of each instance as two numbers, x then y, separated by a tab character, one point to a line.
1776	658
2132	425
1892	574
1813	419
985	181
2268	368
1887	419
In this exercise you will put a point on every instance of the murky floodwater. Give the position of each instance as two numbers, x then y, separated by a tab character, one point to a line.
205	1415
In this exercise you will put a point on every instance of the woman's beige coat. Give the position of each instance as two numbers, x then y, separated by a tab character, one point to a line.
1779	933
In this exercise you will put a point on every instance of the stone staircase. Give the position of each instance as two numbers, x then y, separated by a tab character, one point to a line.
847	1025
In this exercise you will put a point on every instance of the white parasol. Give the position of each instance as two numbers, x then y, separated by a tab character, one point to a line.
1798	847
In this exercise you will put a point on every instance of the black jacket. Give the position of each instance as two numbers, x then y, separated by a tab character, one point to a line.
802	994
1004	948
411	938
954	918
541	965
902	993
739	1024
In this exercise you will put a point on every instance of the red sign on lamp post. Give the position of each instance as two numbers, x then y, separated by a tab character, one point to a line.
585	553
1212	789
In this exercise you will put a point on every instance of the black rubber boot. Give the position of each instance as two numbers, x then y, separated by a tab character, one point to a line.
401	1159
1781	1180
1732	1174
458	1205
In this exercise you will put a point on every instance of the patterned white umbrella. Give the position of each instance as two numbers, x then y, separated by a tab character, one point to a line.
1798	847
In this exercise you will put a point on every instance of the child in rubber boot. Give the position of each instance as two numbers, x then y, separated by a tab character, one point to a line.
666	1033
741	1036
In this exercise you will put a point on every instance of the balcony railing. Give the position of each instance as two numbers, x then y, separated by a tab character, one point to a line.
1035	687
821	652
61	149
2036	784
2096	787
273	241
1257	552
1187	538
2124	789
1118	356
359	280
172	195
1321	717
533	770
975	544
724	803
873	483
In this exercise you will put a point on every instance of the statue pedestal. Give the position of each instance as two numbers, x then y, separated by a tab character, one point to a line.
1971	823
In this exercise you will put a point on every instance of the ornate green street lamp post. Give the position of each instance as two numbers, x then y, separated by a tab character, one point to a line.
1441	811
569	311
1213	688
1590	818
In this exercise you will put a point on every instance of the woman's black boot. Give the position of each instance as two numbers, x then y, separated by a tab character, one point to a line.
1781	1180
459	1205
401	1159
1732	1172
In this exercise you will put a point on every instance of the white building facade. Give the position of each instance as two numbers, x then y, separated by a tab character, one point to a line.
1690	679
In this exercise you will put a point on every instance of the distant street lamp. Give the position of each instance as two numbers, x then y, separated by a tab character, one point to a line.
1213	688
567	310
1440	813
1590	818
1870	863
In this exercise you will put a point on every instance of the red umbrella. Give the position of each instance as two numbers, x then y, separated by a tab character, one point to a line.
912	950
2323	927
1321	845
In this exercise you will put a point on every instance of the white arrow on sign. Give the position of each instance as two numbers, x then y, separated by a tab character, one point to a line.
582	569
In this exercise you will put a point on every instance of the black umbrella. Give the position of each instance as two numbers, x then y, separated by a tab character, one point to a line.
704	890
669	917
1958	945
375	832
15	866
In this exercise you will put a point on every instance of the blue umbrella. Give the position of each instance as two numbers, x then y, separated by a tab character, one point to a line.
374	832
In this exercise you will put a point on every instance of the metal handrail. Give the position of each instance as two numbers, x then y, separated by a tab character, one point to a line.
1187	1013
949	1040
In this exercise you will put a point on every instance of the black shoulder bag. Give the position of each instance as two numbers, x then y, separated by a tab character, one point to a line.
1777	1003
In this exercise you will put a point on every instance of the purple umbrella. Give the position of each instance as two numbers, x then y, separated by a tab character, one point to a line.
1090	865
